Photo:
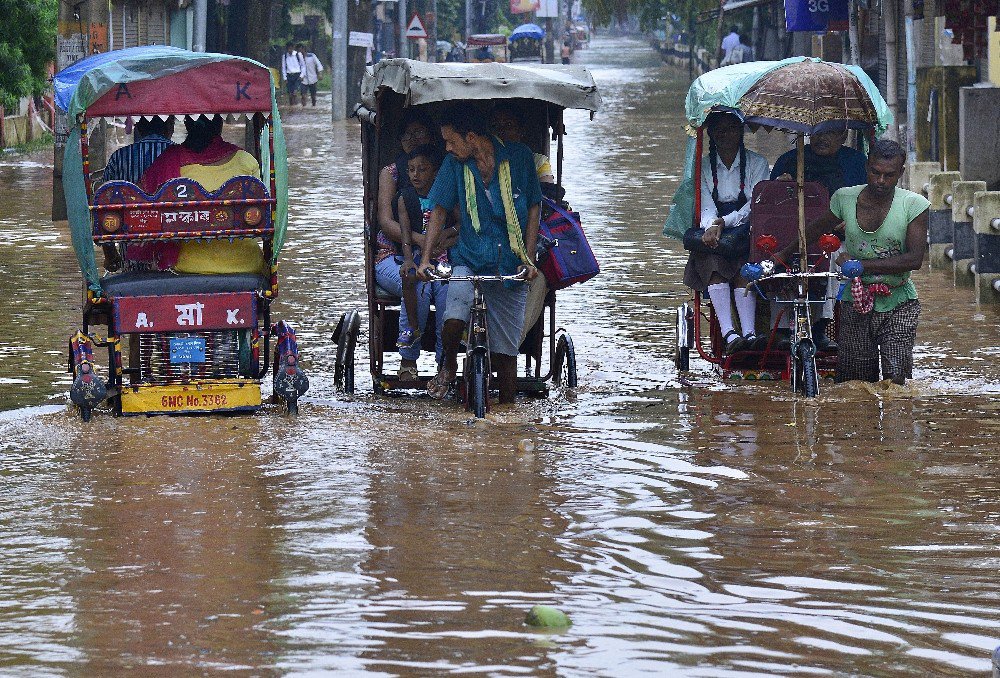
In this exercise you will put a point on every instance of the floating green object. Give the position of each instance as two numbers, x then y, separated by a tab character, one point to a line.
547	617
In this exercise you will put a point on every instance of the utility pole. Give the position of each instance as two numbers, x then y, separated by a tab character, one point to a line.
403	21
200	31
338	60
468	19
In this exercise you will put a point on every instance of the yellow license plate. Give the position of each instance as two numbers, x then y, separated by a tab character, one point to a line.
204	397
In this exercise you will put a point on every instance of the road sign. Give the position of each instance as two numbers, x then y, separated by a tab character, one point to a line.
416	28
358	39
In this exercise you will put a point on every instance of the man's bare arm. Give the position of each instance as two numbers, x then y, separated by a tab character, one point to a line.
438	217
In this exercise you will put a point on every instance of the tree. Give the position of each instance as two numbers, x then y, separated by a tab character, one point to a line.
27	47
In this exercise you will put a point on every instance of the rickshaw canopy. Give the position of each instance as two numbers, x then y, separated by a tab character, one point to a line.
723	89
486	40
162	81
532	31
425	83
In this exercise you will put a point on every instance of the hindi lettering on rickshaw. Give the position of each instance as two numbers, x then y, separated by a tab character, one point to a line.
198	228
401	101
804	97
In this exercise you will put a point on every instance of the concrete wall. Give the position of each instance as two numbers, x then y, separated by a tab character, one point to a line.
979	135
940	141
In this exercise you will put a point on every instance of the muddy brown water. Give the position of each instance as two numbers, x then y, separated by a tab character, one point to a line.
715	529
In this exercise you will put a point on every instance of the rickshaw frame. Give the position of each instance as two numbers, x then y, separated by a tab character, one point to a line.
803	367
397	84
162	82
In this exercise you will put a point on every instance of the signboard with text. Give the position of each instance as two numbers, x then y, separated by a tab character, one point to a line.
180	313
815	15
523	6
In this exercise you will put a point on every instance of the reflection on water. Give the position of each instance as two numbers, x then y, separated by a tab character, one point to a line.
713	530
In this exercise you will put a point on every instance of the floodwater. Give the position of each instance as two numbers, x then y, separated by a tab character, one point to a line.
687	529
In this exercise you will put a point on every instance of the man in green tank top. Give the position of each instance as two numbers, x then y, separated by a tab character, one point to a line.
885	227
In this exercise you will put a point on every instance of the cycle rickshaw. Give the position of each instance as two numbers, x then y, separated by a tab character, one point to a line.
196	342
802	96
395	85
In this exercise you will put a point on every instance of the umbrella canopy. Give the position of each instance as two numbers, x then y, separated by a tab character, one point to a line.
809	97
724	88
533	31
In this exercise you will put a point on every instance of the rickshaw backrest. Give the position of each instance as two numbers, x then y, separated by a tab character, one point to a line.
775	211
182	208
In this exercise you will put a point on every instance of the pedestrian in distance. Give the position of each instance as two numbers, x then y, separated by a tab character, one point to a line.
311	68
741	53
728	43
565	52
292	65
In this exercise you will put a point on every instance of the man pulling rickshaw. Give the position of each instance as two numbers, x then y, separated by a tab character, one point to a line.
496	188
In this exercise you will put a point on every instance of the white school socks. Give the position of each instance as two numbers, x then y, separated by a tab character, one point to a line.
720	294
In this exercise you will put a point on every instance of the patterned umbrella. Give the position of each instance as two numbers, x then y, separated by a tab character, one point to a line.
809	97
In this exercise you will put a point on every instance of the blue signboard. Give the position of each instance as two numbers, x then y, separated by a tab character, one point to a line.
187	349
814	15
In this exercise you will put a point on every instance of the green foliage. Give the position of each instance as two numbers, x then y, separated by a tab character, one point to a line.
41	143
451	19
27	46
654	14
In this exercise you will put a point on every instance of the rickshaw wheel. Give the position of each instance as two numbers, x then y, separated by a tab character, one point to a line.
564	368
479	384
807	370
343	371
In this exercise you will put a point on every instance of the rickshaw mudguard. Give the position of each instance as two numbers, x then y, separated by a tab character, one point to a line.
88	389
288	379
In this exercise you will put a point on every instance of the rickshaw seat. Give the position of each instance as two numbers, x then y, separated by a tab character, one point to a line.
775	211
386	297
153	283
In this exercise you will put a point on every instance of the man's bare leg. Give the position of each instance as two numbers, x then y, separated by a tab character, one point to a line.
506	367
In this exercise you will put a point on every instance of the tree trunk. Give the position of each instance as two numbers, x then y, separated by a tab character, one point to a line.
359	18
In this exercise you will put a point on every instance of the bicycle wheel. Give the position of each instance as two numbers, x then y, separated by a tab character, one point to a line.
808	375
564	369
478	384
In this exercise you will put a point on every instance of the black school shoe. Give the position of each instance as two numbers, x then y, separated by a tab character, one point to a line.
734	342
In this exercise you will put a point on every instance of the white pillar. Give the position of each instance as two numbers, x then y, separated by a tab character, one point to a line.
338	61
200	25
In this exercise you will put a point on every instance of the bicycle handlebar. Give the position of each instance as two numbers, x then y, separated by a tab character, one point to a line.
521	275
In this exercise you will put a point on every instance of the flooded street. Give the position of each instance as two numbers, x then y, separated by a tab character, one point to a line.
714	529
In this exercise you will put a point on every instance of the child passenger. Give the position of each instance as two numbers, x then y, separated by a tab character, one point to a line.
414	213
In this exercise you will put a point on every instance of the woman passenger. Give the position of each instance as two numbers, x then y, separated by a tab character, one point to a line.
415	129
728	177
211	161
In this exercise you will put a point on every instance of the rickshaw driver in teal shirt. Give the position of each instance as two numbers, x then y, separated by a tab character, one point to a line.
885	227
485	242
